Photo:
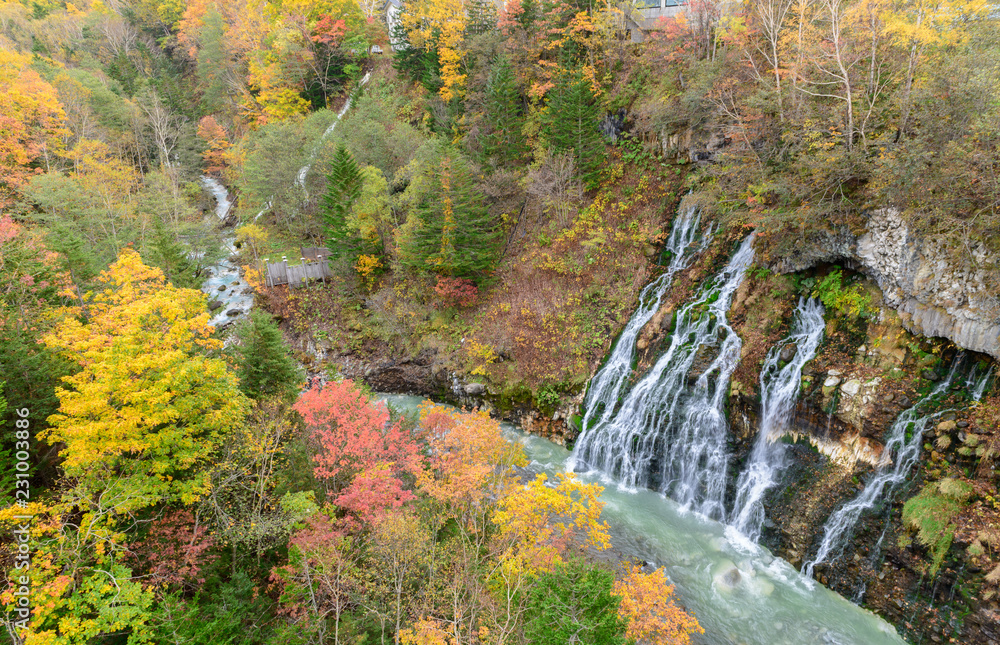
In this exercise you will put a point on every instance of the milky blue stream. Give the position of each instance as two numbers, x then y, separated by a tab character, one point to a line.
740	593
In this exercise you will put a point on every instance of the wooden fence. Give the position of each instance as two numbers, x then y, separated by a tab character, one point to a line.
315	266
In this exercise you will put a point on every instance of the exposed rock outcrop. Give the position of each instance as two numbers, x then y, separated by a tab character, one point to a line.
937	292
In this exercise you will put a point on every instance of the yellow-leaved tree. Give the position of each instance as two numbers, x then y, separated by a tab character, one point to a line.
441	24
149	405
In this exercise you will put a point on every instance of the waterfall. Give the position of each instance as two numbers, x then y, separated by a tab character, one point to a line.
779	388
670	434
902	449
977	384
607	384
300	178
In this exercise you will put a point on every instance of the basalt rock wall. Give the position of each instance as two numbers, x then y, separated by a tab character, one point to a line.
938	290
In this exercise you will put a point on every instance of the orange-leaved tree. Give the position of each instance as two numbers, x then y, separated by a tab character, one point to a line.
469	460
31	122
647	603
148	406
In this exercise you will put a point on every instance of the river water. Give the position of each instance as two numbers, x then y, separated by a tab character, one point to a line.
740	593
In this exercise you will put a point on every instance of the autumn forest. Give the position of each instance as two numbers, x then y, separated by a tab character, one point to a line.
493	182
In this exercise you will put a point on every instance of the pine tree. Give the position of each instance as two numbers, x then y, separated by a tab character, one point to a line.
343	187
264	365
570	125
505	141
169	255
453	233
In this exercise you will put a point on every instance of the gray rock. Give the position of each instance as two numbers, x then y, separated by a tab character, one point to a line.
889	397
215	304
222	287
904	402
831	381
851	388
788	352
834	372
935	291
234	312
474	389
930	375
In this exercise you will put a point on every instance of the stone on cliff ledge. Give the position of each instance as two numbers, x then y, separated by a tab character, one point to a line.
474	389
851	388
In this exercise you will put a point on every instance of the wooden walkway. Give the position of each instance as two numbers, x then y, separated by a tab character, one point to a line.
315	266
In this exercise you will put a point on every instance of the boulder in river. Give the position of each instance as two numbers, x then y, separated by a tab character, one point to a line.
788	352
215	304
727	576
222	287
234	312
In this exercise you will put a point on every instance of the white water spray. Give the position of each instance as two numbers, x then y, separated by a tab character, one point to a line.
300	178
779	389
669	434
902	449
607	384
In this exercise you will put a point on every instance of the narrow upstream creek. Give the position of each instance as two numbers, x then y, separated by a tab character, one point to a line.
740	593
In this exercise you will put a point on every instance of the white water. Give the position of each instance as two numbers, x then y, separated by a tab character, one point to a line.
739	593
779	389
607	384
977	384
898	458
669	434
224	284
222	201
300	179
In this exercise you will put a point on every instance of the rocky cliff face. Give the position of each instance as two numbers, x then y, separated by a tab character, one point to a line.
937	291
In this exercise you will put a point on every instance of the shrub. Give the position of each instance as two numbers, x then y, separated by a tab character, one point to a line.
849	300
456	292
931	512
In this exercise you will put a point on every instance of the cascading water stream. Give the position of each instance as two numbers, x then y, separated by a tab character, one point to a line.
300	177
669	434
902	449
977	384
225	285
607	384
779	389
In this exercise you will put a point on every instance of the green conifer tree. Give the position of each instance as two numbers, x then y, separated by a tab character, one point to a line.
505	140
166	253
343	187
452	232
574	604
570	125
264	365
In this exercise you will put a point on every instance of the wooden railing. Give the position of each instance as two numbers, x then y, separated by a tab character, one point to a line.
315	265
